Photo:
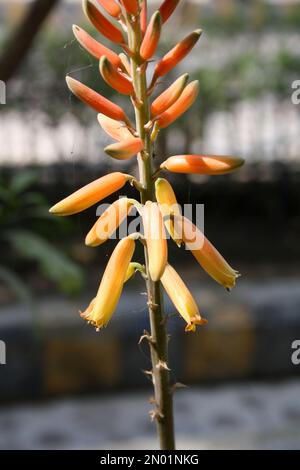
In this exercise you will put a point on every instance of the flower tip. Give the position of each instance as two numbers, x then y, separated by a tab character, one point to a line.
70	82
54	210
90	240
197	321
198	32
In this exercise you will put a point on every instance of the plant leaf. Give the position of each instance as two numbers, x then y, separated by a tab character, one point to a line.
53	263
15	284
22	181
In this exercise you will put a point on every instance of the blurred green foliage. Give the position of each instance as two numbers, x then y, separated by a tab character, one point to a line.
26	236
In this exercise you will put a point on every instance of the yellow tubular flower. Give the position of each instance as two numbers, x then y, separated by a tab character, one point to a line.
101	308
181	298
156	242
90	194
109	221
168	206
206	254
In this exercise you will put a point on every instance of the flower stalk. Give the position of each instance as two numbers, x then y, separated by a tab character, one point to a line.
126	73
163	412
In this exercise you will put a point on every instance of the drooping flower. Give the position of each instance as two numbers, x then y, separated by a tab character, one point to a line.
102	307
90	194
109	221
181	298
206	254
155	237
168	206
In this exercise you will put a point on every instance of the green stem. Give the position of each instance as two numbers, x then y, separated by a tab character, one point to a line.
163	412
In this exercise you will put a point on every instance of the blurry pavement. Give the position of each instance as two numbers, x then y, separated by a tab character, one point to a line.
240	416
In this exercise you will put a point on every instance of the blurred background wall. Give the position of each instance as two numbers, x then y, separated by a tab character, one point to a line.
247	61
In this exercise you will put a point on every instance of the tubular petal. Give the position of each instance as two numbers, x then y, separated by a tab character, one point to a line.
144	16
105	27
95	100
108	222
151	38
111	7
94	47
181	298
206	254
101	308
125	149
186	99
169	96
90	194
115	129
175	55
156	242
166	9
131	6
114	78
168	206
202	164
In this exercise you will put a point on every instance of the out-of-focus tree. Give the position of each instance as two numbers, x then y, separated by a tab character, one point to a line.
21	40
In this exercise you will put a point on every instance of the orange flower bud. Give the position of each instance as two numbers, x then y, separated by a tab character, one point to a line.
156	242
202	164
185	100
115	129
94	47
90	194
181	298
167	8
151	38
206	254
115	79
175	55
108	222
143	16
105	27
131	6
125	149
169	96
102	307
111	7
95	100
168	206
